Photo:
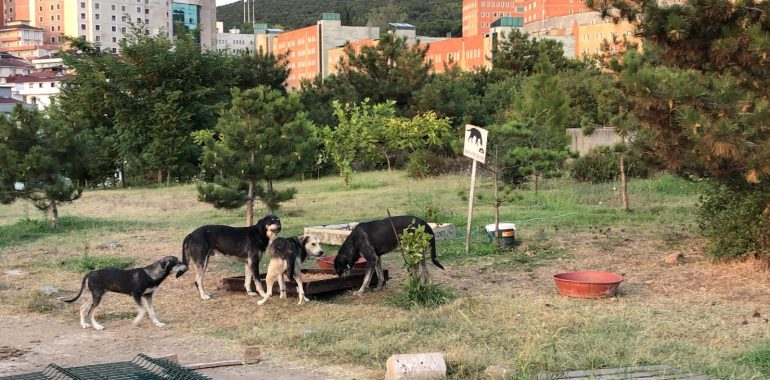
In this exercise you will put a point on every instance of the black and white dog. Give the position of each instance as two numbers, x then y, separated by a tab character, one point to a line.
139	283
287	256
247	243
374	239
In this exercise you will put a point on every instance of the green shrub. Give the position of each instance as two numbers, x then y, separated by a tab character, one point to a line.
602	165
758	359
86	262
424	164
413	294
733	217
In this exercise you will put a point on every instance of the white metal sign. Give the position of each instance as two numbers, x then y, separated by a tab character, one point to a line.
475	145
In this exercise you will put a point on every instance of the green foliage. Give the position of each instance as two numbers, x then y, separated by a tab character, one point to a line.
43	160
455	95
520	54
602	165
416	291
431	17
223	196
87	262
412	295
392	70
424	163
758	359
263	136
735	218
358	135
38	301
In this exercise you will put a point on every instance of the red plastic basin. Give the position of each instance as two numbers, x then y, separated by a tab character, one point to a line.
587	284
327	262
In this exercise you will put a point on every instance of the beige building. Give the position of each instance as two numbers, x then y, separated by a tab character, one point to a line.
22	40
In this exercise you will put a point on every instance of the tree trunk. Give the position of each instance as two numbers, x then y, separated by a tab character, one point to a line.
54	216
123	175
250	204
387	159
497	201
623	183
270	195
537	180
168	177
250	197
160	176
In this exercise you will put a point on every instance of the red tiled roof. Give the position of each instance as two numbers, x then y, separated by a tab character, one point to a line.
41	76
14	62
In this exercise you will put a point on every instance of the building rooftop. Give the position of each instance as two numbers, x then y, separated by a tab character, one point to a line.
7	60
40	76
400	26
20	26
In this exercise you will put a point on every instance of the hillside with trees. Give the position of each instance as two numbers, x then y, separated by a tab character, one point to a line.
430	17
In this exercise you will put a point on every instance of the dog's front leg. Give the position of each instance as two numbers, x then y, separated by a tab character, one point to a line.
94	303
147	298
140	309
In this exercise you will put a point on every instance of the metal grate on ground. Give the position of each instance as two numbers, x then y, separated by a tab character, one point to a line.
142	367
655	372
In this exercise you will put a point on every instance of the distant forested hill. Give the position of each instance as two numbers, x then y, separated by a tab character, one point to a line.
430	17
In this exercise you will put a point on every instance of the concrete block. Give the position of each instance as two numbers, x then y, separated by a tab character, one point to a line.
498	372
422	366
251	355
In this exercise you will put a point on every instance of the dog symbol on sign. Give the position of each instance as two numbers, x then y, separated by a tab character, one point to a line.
475	137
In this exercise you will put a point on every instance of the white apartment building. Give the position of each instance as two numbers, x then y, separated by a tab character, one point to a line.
234	41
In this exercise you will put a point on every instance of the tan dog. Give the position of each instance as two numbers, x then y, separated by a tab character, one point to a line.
286	256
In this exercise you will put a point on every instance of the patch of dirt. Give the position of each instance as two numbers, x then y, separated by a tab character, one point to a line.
10	352
34	341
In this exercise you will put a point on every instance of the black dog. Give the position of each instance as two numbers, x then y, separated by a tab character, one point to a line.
286	256
244	242
140	283
374	239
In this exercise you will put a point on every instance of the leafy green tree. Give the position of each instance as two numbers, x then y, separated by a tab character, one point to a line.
253	69
453	94
263	136
390	70
43	160
358	134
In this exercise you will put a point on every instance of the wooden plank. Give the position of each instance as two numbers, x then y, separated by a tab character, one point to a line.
655	372
353	281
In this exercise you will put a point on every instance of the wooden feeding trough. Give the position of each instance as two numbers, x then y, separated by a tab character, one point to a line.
315	281
336	233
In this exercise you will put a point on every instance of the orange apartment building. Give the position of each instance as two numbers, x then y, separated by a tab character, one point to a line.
479	15
337	55
590	37
307	48
301	47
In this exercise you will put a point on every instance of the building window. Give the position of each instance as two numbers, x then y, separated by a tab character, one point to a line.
51	17
82	16
122	8
52	28
138	9
114	28
41	19
96	16
97	38
97	27
114	18
58	6
41	8
58	28
58	17
96	5
123	29
53	39
112	7
114	39
82	26
114	50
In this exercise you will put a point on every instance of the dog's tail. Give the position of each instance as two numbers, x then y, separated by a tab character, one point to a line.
82	286
433	252
433	258
185	254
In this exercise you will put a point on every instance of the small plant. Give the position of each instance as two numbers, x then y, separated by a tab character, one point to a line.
87	262
418	290
39	302
758	359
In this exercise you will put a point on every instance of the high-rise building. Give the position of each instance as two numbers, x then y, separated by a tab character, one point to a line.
105	22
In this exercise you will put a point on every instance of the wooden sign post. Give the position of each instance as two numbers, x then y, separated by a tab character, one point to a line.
475	147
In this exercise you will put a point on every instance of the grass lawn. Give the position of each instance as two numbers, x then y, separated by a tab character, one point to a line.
709	318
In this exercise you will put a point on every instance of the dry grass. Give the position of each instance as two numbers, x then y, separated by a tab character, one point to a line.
696	315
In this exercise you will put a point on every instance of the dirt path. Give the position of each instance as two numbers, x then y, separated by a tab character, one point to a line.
31	342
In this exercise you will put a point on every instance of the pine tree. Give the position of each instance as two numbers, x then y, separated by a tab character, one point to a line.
263	136
43	160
